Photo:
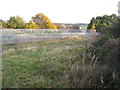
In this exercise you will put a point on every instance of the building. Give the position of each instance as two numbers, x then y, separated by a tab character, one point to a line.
73	25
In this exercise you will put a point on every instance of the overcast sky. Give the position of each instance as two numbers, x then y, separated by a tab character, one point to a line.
66	11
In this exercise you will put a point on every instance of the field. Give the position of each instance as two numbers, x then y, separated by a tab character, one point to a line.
54	63
40	64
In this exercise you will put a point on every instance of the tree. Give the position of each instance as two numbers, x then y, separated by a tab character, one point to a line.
93	27
32	25
93	20
106	24
101	21
16	22
3	24
43	21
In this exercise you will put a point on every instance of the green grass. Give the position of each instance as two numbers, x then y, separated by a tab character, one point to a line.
39	64
83	27
62	64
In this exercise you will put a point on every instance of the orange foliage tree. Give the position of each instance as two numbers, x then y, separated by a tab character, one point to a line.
93	27
32	25
43	21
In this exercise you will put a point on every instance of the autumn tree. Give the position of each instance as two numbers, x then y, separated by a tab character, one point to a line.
43	21
32	25
93	27
16	22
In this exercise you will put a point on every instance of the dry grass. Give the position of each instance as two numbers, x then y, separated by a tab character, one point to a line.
75	38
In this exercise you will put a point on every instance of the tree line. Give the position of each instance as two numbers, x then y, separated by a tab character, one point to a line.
39	21
106	24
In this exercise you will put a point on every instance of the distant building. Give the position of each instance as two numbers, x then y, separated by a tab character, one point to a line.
72	25
60	25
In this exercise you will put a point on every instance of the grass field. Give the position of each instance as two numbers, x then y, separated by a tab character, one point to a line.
39	64
61	63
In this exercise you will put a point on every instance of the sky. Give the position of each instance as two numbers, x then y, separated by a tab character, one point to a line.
58	11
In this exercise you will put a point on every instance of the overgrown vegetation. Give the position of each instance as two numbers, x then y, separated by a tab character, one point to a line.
105	52
62	63
103	56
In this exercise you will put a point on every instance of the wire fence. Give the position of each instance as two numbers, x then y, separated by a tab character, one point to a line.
30	35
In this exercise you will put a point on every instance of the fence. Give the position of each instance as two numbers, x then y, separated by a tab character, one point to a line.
26	35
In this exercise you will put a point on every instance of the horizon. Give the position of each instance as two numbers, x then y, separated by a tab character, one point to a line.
60	11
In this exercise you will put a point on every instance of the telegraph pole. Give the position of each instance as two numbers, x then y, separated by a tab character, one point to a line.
119	9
